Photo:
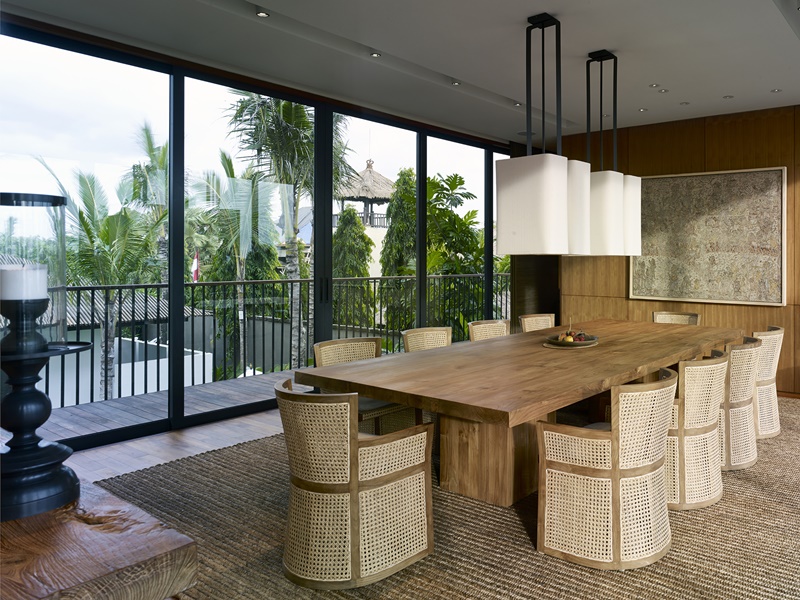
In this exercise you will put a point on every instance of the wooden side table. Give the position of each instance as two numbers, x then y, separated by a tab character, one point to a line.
98	547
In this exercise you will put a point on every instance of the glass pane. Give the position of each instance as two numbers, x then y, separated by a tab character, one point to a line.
249	245
103	146
374	232
455	235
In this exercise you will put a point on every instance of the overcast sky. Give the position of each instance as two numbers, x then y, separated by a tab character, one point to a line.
81	112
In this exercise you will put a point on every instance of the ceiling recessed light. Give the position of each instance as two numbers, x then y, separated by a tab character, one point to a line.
262	14
727	97
375	54
662	91
456	83
517	103
605	116
684	104
642	110
654	85
776	90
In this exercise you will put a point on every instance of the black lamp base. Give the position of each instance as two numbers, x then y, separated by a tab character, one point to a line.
36	482
33	479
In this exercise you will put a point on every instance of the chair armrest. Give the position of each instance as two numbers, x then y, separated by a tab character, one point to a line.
576	445
386	454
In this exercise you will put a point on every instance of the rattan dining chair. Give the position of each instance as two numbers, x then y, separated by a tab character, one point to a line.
483	330
679	318
767	419
693	474
602	499
737	430
360	506
425	338
537	321
374	416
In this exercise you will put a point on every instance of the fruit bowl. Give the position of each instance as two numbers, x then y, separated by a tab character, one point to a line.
588	340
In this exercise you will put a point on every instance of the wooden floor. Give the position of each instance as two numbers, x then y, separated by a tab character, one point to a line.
124	457
97	417
116	459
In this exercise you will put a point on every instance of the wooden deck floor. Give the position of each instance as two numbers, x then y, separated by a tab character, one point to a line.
98	417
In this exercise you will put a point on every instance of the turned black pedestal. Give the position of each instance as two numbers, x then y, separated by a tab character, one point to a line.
32	477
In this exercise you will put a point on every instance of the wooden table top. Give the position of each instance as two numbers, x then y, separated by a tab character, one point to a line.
515	379
97	547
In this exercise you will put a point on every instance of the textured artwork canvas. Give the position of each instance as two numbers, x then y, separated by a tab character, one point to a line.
713	237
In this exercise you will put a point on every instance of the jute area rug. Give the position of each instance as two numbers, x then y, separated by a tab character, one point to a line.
233	503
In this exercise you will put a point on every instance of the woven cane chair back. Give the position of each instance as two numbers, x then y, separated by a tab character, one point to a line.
602	498
693	474
483	330
334	352
374	416
768	423
537	321
678	318
737	432
359	509
425	338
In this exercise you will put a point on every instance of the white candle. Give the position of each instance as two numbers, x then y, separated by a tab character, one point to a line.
23	282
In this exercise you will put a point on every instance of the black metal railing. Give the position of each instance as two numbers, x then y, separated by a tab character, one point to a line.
369	220
240	329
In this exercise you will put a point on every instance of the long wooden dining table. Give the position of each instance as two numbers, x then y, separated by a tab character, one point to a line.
489	394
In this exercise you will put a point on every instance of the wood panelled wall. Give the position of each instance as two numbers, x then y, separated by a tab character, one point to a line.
594	287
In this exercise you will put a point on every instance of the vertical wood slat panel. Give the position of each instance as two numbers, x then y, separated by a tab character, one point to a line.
594	287
794	244
605	276
667	148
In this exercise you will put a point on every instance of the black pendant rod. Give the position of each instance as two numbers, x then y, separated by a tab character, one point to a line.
542	21
600	56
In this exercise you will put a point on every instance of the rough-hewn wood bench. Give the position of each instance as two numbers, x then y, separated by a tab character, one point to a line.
99	547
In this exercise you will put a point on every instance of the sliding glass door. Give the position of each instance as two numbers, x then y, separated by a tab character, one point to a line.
95	131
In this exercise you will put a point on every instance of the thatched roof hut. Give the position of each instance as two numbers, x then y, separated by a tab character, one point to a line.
369	187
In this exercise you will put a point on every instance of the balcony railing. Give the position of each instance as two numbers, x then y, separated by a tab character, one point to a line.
240	329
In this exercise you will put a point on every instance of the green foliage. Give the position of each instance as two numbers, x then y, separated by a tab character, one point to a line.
454	247
247	251
352	247
352	251
398	250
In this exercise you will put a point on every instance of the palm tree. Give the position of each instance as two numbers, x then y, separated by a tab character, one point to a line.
107	249
279	136
150	191
243	225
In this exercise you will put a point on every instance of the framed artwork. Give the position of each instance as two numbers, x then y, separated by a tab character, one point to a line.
713	237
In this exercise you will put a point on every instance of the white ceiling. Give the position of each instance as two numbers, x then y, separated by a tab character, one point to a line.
699	50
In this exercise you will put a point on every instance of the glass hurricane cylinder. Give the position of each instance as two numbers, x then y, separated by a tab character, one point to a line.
33	257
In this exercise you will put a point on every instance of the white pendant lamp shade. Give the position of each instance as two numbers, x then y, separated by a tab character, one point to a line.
633	215
579	210
532	213
607	213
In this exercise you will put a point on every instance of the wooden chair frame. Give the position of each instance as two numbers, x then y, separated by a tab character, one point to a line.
579	467
536	321
375	416
693	442
681	318
737	430
425	338
483	330
767	419
376	473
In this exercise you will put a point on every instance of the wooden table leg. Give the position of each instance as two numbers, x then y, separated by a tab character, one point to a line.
487	461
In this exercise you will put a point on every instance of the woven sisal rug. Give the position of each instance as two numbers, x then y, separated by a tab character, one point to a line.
233	503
